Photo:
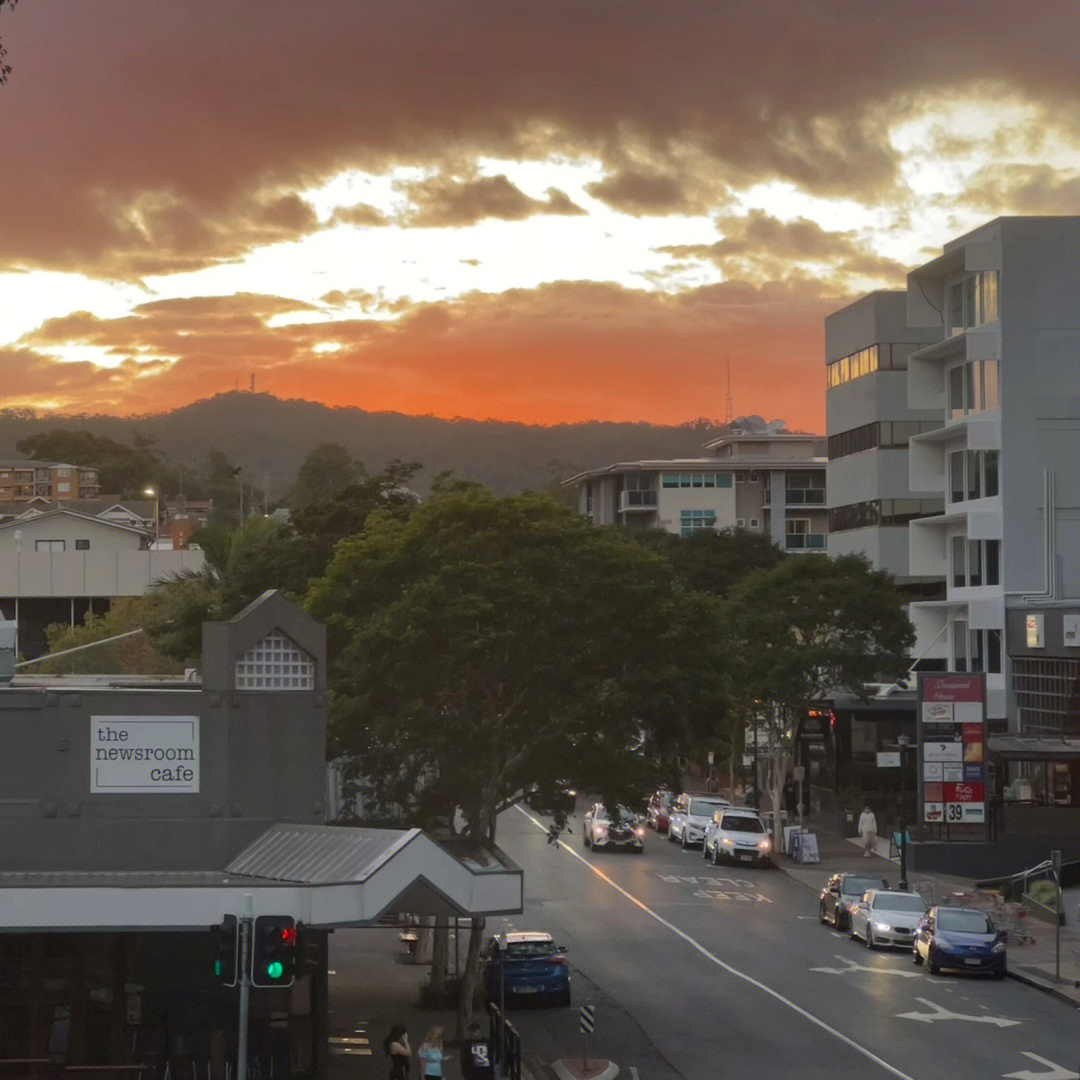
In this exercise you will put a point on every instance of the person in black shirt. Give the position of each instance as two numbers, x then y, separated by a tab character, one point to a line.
476	1061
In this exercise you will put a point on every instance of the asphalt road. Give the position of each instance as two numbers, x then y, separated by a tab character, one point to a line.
704	973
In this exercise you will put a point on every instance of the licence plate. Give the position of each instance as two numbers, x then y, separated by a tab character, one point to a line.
973	961
745	855
526	989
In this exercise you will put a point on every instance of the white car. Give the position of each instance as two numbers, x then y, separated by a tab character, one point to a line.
690	814
617	828
738	835
887	917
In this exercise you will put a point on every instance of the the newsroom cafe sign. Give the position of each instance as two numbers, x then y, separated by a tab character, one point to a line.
144	755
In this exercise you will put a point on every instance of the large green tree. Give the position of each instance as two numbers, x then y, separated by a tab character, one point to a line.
486	644
808	627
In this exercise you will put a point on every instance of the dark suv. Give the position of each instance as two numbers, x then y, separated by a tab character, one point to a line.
841	893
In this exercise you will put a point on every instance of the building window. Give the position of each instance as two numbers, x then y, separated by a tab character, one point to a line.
48	545
755	523
804	488
973	301
798	537
959	562
972	388
1047	692
887	434
275	663
740	523
695	521
973	474
696	480
960	644
992	562
82	545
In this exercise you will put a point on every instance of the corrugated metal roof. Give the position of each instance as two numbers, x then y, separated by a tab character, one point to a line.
319	854
120	879
1035	747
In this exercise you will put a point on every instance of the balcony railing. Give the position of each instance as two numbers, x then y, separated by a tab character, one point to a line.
805	542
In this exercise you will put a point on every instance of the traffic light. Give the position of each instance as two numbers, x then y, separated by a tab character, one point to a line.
273	951
226	950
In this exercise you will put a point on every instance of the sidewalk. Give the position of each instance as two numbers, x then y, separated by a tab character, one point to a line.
1034	961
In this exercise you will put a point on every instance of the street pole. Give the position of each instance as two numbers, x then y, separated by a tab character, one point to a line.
903	741
1055	863
243	928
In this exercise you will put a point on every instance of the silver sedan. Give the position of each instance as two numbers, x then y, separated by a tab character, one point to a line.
887	917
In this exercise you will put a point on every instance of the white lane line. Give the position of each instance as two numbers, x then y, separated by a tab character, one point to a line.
695	944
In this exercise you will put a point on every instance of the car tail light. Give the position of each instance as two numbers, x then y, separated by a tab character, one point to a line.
556	961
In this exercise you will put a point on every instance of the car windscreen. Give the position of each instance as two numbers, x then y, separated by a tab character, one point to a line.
530	950
857	886
703	807
898	902
964	922
741	823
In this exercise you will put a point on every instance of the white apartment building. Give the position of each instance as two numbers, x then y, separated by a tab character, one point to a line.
1004	376
869	423
772	482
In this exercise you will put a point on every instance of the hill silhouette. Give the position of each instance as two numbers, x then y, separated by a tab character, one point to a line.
269	438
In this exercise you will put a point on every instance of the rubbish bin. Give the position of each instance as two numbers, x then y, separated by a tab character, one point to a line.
851	825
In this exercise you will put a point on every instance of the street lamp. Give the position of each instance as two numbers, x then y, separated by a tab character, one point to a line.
902	742
154	493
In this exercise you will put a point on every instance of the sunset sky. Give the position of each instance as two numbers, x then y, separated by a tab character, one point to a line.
550	211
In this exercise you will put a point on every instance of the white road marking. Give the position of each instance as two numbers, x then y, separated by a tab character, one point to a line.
937	1012
850	966
1057	1072
713	958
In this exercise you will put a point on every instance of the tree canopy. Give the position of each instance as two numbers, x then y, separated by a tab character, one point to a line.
484	644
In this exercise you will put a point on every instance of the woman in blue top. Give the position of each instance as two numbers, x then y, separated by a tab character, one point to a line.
431	1054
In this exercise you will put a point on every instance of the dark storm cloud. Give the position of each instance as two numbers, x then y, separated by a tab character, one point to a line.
198	109
443	202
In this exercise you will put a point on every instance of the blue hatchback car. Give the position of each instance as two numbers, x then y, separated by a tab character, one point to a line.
964	939
532	965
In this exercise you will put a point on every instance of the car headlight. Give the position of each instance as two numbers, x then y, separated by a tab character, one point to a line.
601	830
765	845
999	947
640	830
884	927
727	841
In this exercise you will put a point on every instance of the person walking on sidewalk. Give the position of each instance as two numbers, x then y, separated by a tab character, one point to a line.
476	1054
399	1051
867	831
431	1054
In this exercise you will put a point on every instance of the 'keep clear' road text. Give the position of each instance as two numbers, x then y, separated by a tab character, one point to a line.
719	888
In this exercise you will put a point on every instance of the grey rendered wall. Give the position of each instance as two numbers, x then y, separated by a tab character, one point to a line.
261	760
1040	395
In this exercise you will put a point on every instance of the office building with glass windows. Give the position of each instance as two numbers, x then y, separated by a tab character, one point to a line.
769	481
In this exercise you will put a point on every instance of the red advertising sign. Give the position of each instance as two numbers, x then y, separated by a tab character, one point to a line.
951	687
963	792
971	732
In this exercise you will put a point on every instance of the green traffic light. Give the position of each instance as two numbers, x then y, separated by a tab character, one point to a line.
217	968
275	969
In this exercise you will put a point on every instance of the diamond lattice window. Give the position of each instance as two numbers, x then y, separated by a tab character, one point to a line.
275	663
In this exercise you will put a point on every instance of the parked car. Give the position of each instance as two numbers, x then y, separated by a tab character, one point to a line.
689	815
657	810
964	939
531	965
841	893
551	798
887	917
619	827
737	834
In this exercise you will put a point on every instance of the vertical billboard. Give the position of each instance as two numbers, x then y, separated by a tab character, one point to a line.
952	754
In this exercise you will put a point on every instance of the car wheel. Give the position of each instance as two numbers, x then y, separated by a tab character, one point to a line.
916	956
822	918
716	855
563	997
931	963
670	838
585	839
837	918
684	843
1000	973
869	937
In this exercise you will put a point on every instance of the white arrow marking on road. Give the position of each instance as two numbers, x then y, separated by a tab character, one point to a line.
850	966
939	1013
1057	1072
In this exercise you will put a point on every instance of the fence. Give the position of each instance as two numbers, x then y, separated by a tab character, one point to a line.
505	1043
